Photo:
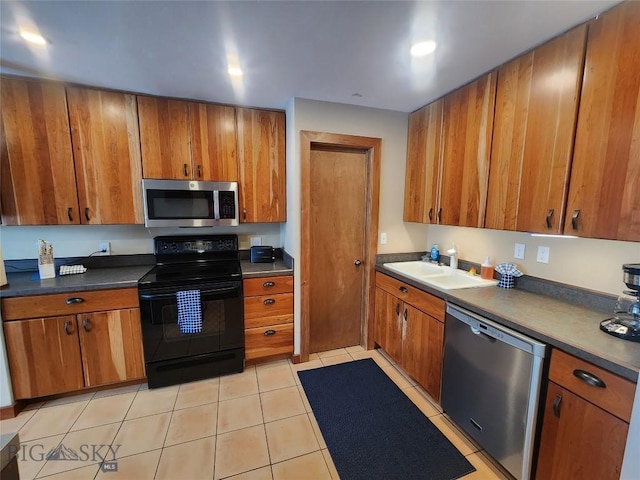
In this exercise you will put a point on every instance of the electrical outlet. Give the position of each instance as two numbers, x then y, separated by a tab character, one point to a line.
543	255
105	248
383	238
255	241
518	251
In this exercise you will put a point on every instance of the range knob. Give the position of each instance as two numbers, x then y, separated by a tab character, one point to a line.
174	246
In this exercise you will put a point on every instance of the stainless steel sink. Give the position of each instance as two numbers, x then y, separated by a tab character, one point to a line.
439	276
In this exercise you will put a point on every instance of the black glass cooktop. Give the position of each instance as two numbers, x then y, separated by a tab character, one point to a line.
192	272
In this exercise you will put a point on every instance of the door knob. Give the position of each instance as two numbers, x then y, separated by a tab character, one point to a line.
357	263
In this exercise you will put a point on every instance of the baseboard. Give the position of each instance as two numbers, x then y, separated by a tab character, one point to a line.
297	359
12	410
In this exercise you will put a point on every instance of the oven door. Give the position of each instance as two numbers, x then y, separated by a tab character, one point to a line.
179	322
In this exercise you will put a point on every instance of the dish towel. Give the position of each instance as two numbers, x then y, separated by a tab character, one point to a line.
189	311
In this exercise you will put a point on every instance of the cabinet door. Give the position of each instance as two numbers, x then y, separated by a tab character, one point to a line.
579	440
44	356
422	350
533	130
388	323
106	146
604	195
164	138
261	165
37	176
111	345
424	155
213	142
467	129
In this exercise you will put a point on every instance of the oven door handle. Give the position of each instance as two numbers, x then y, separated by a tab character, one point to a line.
158	296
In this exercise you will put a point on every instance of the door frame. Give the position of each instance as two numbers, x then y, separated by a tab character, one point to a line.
373	148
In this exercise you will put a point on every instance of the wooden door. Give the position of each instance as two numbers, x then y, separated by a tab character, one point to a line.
338	193
424	160
422	350
533	130
165	138
106	146
580	441
604	193
111	345
467	129
44	356
37	175
261	165
388	319
213	142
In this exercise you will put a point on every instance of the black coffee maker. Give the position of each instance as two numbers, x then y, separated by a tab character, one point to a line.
626	320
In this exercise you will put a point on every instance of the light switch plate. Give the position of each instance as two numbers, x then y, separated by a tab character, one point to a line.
543	255
383	238
518	251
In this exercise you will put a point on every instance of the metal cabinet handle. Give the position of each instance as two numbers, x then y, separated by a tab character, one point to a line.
269	301
556	405
405	314
85	325
69	212
72	300
431	214
269	332
199	171
244	213
86	213
589	378
357	263
439	216
549	215
403	289
185	170
574	219
67	324
397	309
268	284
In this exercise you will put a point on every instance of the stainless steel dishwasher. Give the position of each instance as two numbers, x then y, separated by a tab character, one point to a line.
491	381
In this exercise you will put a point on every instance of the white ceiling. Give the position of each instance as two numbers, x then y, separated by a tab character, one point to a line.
323	50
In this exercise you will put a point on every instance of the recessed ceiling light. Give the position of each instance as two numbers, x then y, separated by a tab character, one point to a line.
235	71
423	48
32	37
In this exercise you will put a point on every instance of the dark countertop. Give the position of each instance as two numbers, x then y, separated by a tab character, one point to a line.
558	323
22	284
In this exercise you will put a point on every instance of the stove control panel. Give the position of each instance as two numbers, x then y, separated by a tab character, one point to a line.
195	245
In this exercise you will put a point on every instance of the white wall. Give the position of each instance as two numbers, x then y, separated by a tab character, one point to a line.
584	262
82	240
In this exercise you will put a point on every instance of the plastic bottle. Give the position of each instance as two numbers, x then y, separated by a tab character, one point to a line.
486	269
435	253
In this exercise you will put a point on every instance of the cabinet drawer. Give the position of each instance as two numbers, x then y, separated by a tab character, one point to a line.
71	303
268	310
426	302
268	340
615	397
268	285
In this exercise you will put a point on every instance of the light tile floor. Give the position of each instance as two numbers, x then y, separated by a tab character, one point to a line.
251	426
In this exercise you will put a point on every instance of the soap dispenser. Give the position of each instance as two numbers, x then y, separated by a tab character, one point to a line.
453	256
486	269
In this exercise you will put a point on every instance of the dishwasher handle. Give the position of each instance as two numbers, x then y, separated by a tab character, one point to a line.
482	335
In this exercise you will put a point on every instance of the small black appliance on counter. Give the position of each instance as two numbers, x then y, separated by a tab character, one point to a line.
262	254
626	320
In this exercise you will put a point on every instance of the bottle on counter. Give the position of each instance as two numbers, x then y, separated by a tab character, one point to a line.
486	269
435	253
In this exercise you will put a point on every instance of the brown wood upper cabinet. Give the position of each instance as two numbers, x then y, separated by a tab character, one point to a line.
448	150
604	193
424	160
261	165
466	143
536	105
37	172
106	146
187	140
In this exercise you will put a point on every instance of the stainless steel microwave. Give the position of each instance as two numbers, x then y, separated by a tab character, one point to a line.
189	203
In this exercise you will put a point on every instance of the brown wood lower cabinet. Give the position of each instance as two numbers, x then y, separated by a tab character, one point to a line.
268	317
413	338
64	353
585	422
